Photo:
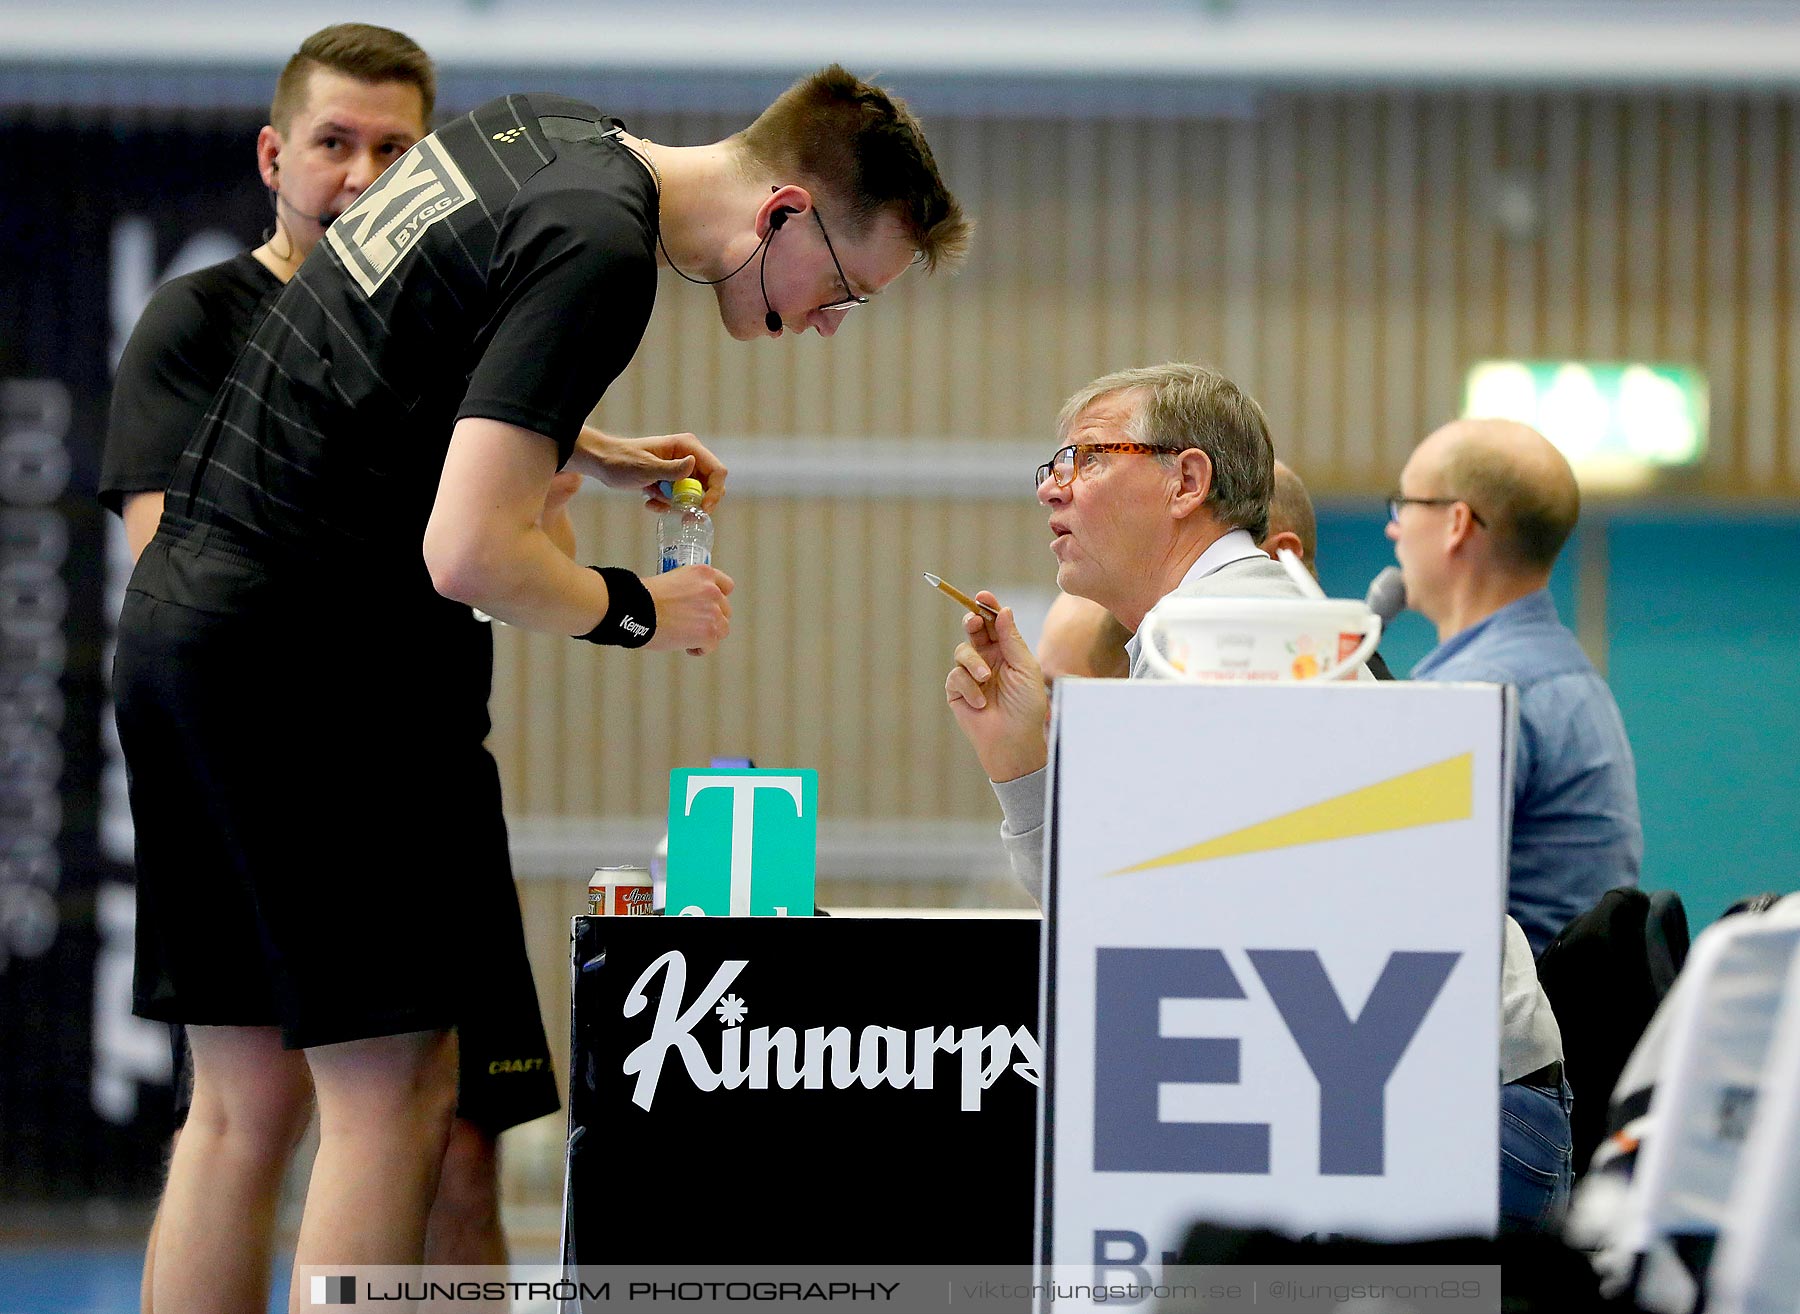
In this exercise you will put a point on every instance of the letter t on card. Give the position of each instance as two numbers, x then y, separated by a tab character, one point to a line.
742	843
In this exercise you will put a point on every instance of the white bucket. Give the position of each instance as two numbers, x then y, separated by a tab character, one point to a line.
1258	638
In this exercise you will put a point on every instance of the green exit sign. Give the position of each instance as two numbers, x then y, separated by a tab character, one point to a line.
1619	416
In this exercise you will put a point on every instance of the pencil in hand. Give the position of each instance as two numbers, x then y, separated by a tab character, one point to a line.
951	591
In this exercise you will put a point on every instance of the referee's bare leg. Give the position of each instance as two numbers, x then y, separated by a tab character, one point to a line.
215	1228
465	1218
384	1113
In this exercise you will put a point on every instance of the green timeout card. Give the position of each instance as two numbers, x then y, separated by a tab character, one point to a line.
742	843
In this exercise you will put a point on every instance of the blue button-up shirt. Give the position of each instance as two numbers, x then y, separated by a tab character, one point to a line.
1575	827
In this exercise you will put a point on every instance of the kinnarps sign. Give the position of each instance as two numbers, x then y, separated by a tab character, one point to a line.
1274	945
783	1056
812	1089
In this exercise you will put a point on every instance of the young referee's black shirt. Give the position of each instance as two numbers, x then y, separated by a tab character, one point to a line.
184	343
503	267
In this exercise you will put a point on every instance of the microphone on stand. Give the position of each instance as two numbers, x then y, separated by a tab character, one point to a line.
1387	595
1387	599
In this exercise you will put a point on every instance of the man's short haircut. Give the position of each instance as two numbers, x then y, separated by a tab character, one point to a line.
357	50
1187	406
1290	508
868	153
1528	519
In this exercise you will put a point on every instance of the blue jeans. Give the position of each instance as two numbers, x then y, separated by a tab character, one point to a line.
1536	1156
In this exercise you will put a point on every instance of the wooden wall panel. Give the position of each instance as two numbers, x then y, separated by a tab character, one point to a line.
1346	254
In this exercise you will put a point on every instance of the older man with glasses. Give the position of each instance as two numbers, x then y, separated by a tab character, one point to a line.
1162	487
1483	509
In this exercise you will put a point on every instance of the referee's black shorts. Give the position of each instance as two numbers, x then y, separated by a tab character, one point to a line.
319	847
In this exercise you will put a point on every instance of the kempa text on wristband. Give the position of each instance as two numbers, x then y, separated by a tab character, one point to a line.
630	618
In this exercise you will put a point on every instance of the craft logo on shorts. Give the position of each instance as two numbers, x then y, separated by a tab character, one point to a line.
334	1291
421	188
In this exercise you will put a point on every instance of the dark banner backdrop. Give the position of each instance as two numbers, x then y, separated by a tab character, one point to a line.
96	209
905	1132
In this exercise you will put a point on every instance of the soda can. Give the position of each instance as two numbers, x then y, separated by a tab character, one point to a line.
620	892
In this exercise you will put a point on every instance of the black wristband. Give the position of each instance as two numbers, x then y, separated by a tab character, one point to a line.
630	618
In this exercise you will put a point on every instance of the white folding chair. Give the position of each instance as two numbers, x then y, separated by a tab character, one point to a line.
1716	1035
1757	1268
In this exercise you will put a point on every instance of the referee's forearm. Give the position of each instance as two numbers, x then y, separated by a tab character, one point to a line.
523	579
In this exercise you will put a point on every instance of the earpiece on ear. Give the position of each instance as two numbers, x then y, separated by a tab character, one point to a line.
780	217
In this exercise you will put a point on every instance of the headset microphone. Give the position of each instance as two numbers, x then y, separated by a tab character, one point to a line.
322	220
760	253
771	320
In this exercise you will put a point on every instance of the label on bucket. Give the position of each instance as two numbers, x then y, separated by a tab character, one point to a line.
1273	639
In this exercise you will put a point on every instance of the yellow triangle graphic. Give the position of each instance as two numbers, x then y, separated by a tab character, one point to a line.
1443	791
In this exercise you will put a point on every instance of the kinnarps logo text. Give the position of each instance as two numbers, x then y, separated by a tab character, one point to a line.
874	1056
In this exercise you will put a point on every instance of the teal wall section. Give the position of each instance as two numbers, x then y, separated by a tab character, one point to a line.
1353	549
1704	626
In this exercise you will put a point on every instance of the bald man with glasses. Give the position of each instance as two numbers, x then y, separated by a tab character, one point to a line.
1483	509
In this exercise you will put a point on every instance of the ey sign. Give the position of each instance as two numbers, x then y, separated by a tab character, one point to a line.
1273	924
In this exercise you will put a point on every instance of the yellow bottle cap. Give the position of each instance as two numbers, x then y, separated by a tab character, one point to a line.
690	486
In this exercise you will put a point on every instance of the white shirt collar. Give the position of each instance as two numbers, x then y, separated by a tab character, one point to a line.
1234	545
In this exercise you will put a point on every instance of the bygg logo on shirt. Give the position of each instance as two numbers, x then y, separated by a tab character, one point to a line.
421	188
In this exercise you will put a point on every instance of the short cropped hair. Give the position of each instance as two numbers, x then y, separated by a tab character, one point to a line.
1185	406
1529	519
1291	509
357	50
868	152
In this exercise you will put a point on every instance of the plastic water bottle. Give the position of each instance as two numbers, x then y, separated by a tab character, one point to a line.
685	531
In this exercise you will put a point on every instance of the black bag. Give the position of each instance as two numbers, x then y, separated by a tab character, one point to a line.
1605	975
